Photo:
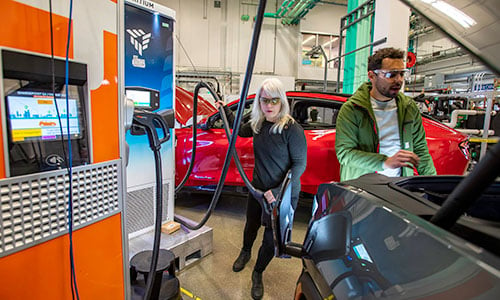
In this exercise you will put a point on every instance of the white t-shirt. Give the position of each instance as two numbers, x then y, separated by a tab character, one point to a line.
386	115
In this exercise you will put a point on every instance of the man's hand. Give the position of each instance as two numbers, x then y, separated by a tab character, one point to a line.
269	197
402	158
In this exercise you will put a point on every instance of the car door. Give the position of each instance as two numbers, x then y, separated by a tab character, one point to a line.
317	114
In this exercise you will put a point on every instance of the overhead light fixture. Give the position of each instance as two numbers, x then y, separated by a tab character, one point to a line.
454	13
315	52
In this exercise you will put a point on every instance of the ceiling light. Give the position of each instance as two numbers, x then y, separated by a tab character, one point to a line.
454	13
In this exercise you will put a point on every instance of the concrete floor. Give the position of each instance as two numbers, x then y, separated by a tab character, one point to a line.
212	277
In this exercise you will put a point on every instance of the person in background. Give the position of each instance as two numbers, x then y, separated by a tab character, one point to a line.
279	145
379	129
313	114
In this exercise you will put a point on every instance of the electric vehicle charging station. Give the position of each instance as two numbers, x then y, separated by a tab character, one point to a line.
149	80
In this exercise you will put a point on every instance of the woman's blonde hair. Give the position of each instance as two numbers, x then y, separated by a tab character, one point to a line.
274	88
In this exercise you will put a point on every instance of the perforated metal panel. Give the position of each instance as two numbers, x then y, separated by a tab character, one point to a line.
140	208
34	208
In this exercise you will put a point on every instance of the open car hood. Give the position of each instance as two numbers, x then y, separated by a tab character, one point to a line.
184	107
472	24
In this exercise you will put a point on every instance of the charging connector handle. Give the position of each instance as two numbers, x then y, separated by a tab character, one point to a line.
149	121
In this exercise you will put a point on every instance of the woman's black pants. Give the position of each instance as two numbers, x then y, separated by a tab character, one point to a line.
252	225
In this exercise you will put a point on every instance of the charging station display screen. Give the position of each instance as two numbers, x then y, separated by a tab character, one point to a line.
32	115
361	252
33	85
140	98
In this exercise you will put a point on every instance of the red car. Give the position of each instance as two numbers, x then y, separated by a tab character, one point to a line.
317	113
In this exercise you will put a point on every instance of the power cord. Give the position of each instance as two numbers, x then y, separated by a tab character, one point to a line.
68	158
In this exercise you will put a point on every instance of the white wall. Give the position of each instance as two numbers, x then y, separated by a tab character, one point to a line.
324	18
288	82
391	22
216	39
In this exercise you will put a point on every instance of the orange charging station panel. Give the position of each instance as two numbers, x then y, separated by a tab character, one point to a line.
34	240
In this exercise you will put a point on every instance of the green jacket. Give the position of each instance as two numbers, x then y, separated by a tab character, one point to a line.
357	144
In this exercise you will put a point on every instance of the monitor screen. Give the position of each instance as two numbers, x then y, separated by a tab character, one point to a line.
32	115
140	98
144	98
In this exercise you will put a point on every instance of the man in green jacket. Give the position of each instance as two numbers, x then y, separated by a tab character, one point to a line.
379	129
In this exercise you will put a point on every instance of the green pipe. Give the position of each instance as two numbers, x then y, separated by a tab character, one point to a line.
271	15
295	8
301	6
285	10
282	10
286	6
296	11
305	11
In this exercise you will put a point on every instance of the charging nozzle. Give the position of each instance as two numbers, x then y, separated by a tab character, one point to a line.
146	122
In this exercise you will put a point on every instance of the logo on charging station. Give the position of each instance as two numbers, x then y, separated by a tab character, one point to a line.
54	160
140	40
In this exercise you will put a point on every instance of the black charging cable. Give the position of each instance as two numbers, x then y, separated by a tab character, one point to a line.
53	85
70	160
239	115
258	194
149	121
194	127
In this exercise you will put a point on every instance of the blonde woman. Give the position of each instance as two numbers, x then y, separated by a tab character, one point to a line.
279	144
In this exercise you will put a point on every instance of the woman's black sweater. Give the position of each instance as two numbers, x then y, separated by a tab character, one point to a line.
275	154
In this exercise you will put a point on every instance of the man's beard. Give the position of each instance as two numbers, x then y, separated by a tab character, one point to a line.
389	91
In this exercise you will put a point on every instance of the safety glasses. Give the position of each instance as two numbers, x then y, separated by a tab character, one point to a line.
390	74
272	101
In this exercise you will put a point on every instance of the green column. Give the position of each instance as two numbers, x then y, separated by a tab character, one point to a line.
350	44
355	65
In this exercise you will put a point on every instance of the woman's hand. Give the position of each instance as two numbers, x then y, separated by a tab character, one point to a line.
218	104
269	197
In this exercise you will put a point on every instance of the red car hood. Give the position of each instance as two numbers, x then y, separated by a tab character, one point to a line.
184	107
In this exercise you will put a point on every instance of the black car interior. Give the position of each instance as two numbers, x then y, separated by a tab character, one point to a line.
315	114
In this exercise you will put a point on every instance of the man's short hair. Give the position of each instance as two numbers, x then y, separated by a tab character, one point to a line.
375	61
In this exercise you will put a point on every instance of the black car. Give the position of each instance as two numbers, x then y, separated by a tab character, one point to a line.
372	238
